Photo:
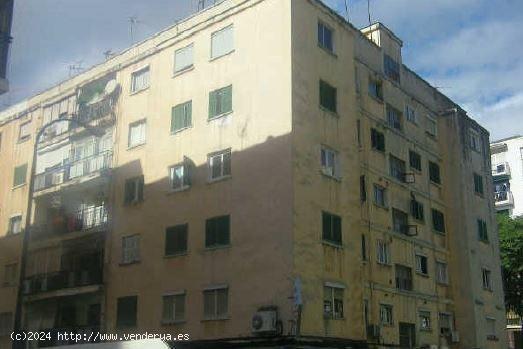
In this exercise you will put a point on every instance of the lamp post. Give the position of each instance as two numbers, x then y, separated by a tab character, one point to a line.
19	344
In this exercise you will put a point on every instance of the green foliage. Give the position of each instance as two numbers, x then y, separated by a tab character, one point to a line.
511	246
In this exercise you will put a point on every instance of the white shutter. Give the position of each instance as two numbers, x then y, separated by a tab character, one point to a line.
222	42
183	58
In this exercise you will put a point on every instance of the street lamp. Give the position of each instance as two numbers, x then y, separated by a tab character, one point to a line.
19	344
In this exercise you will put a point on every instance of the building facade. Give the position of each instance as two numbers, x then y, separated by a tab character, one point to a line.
261	171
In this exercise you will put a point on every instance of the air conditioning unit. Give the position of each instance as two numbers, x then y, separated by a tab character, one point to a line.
265	321
373	331
454	336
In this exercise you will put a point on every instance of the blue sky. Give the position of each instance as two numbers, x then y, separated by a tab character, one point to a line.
471	49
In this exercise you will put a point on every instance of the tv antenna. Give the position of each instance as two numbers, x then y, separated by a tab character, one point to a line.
368	12
108	54
347	10
75	68
133	21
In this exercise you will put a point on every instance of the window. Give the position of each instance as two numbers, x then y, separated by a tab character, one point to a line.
330	162
383	252
6	324
217	231
136	134
422	264
173	308
434	173
179	177
328	96
482	230
130	249
445	324
20	175
325	37
331	231
441	273
25	131
386	314
133	190
222	42
491	328
414	160
220	165
416	209
181	117
392	68
432	126
379	196
126	310
15	225
377	140
363	189
376	89
438	221
333	302
397	168
216	303
10	274
140	80
400	221
410	113
220	102
487	281
394	117
184	58
176	240
424	321
475	142
403	278
478	184
363	248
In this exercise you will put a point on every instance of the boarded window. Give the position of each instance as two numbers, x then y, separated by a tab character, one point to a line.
377	140
434	174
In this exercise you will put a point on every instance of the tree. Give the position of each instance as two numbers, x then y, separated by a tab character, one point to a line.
511	249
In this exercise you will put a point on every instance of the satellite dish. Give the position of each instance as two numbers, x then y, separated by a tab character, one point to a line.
110	87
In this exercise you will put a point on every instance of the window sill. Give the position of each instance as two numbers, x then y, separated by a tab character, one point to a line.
173	133
379	151
125	264
330	318
179	190
419	273
23	140
133	93
212	59
326	50
425	329
332	244
176	255
431	136
217	248
219	179
222	318
486	242
136	146
133	203
328	111
19	186
376	99
329	176
436	184
384	264
445	284
442	233
183	71
383	207
222	115
173	322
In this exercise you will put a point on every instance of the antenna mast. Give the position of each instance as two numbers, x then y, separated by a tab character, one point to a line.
368	11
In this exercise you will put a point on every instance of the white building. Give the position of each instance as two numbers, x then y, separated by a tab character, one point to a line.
507	173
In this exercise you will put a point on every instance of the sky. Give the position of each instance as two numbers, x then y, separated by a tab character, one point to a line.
470	49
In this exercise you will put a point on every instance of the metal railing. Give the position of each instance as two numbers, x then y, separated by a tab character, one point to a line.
62	280
502	196
62	174
90	112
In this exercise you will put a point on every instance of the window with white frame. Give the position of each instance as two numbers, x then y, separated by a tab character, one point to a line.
330	162
441	272
15	225
487	279
130	249
184	58
425	323
6	323
25	131
136	133
179	177
432	126
383	252
216	303
422	264
173	308
325	37
380	198
222	42
219	165
386	314
333	301
140	79
410	114
133	190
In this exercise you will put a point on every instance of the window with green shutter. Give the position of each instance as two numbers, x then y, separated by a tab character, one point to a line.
181	117
20	175
482	230
220	102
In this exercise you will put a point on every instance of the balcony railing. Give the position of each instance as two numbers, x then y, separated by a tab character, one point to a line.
98	110
502	169
82	220
503	197
75	169
62	280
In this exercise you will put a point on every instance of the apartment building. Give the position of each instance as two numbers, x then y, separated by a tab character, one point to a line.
260	173
507	173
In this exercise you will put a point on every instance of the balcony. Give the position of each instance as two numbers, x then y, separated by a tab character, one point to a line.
503	198
73	172
501	170
62	280
89	219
